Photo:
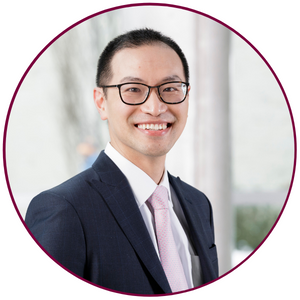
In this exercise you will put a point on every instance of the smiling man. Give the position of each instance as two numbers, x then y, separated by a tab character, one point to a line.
126	224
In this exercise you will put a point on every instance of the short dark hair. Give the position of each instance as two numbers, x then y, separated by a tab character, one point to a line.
134	39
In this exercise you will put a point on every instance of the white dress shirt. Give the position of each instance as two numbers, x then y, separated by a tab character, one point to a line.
142	187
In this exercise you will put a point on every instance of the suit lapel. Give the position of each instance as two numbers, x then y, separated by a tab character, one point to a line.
197	229
116	192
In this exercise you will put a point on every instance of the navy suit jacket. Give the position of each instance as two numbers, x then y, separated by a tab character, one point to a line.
91	225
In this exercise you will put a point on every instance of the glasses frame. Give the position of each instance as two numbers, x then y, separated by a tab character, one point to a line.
149	88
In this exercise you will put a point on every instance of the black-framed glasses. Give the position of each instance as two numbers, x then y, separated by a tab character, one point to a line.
135	93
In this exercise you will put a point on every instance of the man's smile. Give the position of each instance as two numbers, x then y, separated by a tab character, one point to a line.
154	129
150	126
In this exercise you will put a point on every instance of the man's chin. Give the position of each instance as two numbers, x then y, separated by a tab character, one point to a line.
154	151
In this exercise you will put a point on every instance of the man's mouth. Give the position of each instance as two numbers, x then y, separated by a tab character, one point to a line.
155	127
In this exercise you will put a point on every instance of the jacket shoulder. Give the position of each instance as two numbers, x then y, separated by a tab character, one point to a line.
65	197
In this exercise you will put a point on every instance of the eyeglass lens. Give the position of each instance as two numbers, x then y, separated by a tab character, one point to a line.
134	93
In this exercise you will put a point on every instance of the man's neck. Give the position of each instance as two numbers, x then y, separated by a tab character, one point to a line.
154	167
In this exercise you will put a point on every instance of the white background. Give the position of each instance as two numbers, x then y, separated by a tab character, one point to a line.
271	26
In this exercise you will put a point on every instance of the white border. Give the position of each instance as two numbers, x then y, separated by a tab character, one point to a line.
271	26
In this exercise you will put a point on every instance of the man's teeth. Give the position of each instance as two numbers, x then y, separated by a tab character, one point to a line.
153	126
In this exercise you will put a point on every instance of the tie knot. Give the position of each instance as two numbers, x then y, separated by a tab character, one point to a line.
159	198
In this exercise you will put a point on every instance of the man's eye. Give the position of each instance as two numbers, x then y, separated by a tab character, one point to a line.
134	90
170	89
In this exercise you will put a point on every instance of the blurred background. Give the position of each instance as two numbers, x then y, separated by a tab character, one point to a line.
237	148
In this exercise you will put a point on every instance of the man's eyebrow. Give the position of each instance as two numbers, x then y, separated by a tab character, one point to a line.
131	79
172	78
137	79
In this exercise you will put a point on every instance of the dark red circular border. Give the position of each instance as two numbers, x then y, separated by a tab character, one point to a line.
127	6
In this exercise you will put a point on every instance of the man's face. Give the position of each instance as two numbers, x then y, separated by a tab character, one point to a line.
151	65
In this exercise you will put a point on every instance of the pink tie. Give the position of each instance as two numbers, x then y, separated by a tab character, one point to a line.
169	256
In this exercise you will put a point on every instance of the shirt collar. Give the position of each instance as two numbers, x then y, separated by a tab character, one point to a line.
141	184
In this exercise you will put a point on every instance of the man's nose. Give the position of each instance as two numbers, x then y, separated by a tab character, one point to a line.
154	105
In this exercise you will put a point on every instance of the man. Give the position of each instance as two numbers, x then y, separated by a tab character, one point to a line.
109	223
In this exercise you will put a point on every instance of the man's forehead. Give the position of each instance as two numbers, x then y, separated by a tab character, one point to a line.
153	56
141	48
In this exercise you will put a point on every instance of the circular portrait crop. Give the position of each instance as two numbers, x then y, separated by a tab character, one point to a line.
147	156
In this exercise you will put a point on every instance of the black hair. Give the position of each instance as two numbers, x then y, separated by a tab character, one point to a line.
133	39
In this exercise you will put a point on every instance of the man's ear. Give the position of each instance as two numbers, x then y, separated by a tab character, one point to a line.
100	102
